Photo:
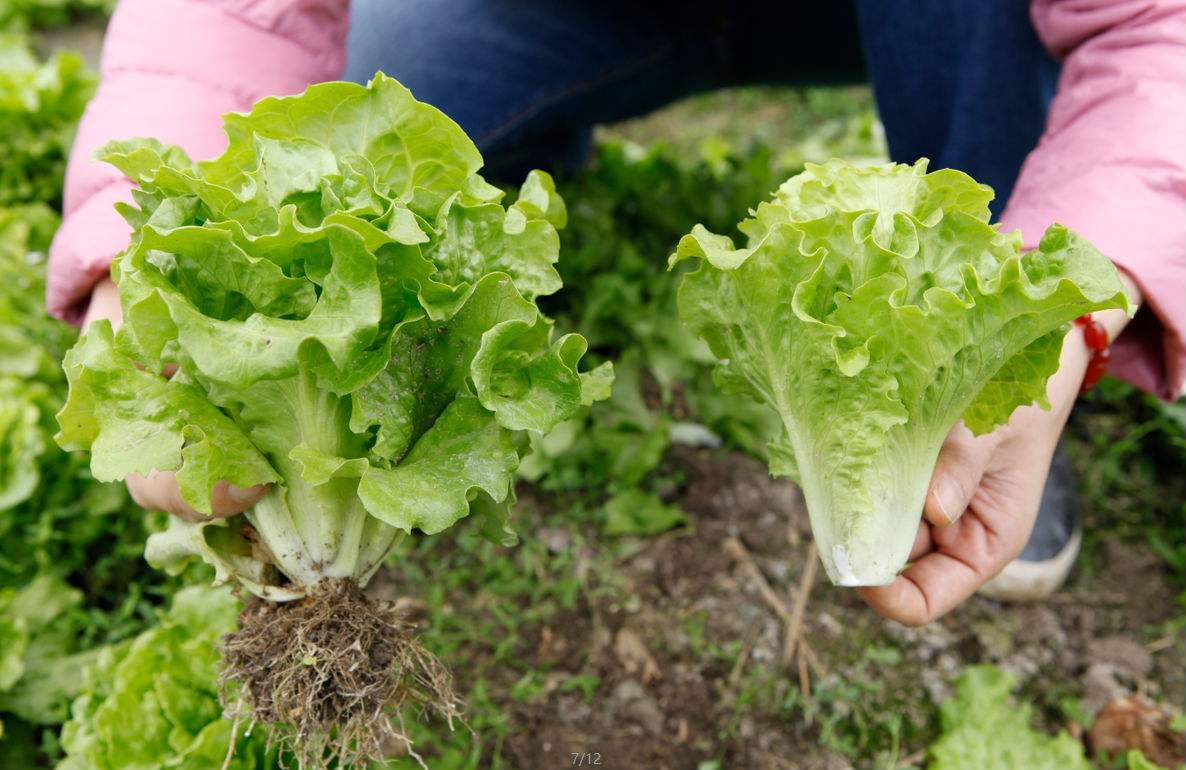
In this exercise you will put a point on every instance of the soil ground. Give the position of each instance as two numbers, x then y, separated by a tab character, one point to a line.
675	653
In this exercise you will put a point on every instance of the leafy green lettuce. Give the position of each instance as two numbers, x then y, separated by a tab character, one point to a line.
22	15
872	308
29	341
40	104
54	519
984	730
152	701
351	311
40	663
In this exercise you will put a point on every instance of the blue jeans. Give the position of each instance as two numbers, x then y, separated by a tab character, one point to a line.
963	82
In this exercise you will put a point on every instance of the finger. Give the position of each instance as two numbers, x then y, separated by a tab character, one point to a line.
957	474
104	304
922	541
158	491
226	499
943	578
931	587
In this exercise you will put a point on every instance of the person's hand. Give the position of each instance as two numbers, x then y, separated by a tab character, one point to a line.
984	495
158	490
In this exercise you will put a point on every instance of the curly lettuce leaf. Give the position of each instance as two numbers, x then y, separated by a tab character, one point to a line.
40	665
40	104
984	730
31	345
872	308
464	452
152	701
135	422
22	440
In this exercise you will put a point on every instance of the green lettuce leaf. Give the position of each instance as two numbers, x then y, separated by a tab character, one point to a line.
40	103
30	347
55	521
984	730
635	512
1135	760
40	663
152	701
872	308
22	15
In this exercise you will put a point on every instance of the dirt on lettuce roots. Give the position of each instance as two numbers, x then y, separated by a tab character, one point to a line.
330	674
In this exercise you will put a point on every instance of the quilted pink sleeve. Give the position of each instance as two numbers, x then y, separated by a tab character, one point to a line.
1112	164
169	69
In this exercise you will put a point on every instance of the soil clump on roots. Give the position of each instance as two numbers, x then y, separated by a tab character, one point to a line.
331	674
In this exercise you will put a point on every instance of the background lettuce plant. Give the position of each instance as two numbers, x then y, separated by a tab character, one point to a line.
872	308
152	700
40	102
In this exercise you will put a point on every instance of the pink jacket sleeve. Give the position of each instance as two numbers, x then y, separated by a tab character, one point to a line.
1112	164
169	69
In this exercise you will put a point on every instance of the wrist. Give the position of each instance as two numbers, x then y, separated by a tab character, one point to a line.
1095	332
104	304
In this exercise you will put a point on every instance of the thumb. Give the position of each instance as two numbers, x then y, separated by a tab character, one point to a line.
958	470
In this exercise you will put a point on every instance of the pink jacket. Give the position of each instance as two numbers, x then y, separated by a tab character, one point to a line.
1111	164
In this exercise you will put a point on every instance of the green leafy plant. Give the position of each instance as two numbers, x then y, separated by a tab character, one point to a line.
1135	760
40	662
350	311
635	512
984	730
1129	449
40	104
152	701
872	308
29	341
631	204
22	15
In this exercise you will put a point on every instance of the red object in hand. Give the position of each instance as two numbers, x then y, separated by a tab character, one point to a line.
1096	338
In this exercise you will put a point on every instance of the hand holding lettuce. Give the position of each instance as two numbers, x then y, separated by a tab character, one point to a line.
872	308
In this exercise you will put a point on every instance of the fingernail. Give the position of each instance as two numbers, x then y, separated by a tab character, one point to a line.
949	498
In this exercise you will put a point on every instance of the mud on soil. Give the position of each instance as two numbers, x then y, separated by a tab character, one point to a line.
685	651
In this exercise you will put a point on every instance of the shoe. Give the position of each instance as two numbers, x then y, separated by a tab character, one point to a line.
1048	557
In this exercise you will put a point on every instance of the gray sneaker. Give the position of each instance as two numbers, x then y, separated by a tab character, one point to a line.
1050	553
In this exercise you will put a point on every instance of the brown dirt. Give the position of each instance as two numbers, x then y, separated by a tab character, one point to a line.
683	639
673	718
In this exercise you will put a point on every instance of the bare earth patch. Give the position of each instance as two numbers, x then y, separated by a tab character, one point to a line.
683	651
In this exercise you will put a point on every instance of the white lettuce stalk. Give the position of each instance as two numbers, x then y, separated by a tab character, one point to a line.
873	308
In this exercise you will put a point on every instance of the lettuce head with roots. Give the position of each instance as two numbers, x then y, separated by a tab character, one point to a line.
872	308
348	310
